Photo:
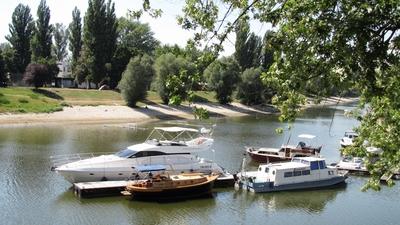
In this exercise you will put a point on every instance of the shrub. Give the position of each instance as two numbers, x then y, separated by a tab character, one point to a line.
23	100
38	74
222	76
136	79
174	75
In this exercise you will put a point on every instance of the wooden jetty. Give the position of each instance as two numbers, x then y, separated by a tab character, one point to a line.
114	188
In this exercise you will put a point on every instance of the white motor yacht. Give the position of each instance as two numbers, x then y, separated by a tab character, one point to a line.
173	147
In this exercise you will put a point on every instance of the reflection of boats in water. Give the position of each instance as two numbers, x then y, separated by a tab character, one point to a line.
286	152
313	201
173	147
300	173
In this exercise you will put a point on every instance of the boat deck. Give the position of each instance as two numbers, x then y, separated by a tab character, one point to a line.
114	188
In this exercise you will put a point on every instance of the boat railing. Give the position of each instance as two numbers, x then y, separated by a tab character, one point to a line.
58	160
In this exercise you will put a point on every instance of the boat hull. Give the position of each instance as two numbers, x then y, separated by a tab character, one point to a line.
261	158
270	187
197	191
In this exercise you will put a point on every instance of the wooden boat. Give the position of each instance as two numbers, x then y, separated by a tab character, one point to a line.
285	153
165	186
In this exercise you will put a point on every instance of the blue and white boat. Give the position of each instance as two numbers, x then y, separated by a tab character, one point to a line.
300	173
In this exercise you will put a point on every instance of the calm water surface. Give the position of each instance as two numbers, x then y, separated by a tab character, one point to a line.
31	194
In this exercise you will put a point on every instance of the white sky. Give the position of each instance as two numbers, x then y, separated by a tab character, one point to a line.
165	28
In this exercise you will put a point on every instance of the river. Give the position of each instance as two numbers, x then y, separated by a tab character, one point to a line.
31	194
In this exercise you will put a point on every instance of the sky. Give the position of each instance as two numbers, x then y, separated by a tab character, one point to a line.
165	28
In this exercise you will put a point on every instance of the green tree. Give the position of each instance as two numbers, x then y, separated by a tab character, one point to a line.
136	78
267	50
99	38
134	39
251	90
173	78
60	41
41	73
21	29
8	57
222	76
345	44
42	36
247	46
3	75
75	37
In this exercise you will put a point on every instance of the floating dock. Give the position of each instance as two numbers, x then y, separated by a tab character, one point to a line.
114	188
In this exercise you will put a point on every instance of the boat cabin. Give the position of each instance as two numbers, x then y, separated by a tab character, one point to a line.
301	169
350	134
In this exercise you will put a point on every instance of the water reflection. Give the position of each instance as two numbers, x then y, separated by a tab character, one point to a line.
30	189
313	201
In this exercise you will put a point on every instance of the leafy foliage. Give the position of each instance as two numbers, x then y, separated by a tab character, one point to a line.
39	74
136	79
42	38
3	77
251	90
75	37
21	29
247	46
222	76
324	46
174	78
134	39
60	41
200	113
99	38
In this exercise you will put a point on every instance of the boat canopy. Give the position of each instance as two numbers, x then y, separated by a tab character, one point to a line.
176	129
269	149
308	136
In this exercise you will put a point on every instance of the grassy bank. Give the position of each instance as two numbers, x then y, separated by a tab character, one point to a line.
46	100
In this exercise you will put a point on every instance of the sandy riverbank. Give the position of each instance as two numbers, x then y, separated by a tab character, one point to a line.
124	114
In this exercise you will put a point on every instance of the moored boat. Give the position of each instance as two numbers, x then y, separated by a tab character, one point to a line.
348	138
175	148
300	173
286	152
165	186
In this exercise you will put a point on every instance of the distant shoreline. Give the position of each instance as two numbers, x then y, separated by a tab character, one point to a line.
107	114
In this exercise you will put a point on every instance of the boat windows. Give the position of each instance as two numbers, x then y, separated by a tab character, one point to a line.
322	165
288	174
266	170
126	153
297	173
314	165
305	172
147	153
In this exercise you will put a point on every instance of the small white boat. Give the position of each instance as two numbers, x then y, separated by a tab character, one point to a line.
348	138
173	147
352	164
300	173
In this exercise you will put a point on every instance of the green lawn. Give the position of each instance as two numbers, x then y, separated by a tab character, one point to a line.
25	99
22	100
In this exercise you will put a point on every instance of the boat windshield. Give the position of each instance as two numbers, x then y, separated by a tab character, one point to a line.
126	153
